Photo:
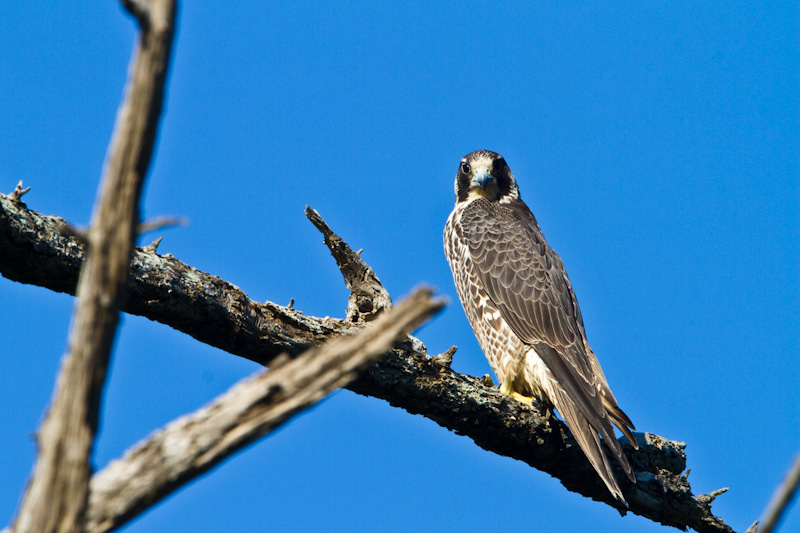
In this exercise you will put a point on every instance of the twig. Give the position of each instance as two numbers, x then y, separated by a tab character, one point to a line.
446	358
153	246
160	223
18	192
711	496
57	494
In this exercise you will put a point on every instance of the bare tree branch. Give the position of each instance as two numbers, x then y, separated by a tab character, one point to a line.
780	500
193	444
57	494
220	314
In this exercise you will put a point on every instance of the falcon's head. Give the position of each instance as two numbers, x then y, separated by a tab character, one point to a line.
484	174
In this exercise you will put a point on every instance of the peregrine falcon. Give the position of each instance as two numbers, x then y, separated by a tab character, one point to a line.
520	304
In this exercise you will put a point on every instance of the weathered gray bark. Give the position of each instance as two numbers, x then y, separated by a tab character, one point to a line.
57	494
193	444
162	288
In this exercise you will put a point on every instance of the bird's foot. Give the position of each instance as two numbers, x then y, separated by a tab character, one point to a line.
486	381
506	389
527	400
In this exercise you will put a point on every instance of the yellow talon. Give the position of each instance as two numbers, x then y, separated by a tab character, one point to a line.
506	389
527	400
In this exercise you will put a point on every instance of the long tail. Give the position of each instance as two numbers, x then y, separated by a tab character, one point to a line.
618	417
590	417
588	437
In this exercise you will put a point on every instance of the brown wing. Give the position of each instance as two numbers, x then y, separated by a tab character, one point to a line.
527	281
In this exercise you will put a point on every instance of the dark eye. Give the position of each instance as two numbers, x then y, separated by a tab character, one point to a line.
499	164
465	168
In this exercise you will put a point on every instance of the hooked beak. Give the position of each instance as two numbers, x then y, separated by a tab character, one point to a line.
482	177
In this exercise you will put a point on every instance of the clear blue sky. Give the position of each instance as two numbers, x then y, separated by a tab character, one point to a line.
657	146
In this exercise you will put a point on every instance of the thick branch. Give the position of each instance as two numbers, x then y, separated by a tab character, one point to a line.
195	443
218	313
57	494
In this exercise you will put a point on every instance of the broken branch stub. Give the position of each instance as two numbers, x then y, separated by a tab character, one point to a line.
368	297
